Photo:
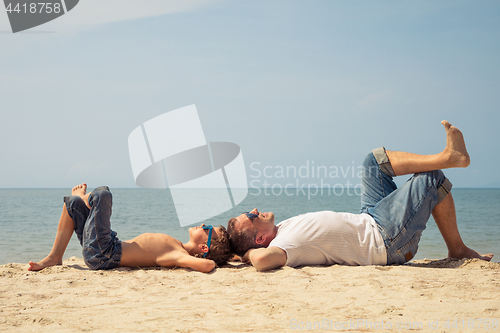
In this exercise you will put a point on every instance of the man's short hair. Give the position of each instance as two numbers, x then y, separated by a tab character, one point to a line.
220	248
241	241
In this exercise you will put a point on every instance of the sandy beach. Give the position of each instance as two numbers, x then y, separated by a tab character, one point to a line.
236	298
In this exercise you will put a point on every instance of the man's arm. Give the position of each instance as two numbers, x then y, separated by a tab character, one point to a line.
265	259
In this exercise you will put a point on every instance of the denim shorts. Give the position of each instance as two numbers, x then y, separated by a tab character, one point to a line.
401	213
101	248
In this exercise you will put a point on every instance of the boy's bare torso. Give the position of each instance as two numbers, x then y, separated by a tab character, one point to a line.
152	249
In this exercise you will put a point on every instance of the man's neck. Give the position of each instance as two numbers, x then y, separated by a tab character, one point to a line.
272	235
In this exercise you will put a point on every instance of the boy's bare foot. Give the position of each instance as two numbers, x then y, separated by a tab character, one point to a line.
470	254
455	147
81	191
46	262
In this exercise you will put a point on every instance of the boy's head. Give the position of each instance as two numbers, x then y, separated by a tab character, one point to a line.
220	249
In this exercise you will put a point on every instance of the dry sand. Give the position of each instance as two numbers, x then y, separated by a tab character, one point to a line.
237	298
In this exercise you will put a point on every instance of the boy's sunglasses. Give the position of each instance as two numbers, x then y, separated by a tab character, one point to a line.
209	227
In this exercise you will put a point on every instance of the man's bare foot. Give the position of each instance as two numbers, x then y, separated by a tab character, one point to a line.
455	147
470	254
46	262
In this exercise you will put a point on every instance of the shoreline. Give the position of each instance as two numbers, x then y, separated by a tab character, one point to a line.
238	298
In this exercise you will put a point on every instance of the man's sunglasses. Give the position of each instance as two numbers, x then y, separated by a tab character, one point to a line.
251	216
209	227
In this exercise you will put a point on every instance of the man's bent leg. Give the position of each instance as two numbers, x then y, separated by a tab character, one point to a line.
446	220
453	156
101	248
403	215
376	183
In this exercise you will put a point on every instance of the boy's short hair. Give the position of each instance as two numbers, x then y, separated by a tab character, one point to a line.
220	249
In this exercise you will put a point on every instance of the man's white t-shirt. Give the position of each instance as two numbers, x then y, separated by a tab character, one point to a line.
327	238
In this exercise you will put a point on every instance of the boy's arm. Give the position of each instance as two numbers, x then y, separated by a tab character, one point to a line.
200	264
265	259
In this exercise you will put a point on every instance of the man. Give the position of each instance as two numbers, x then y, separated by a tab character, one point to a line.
89	216
387	230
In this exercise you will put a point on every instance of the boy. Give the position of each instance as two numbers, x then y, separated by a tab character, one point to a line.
89	216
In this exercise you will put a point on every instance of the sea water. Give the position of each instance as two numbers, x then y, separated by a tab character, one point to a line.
29	218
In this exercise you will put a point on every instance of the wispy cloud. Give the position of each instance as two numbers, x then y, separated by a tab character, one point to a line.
374	100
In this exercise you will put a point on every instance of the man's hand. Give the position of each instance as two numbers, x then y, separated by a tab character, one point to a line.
246	257
265	259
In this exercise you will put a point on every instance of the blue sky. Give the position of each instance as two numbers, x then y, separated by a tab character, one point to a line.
291	82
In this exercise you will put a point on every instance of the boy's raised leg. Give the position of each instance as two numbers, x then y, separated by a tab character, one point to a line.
446	220
65	230
453	156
